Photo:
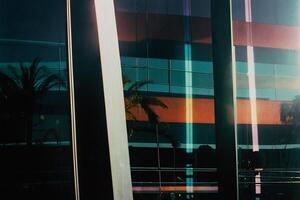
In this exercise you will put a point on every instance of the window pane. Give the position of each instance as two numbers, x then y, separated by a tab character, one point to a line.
159	76
35	144
171	122
268	88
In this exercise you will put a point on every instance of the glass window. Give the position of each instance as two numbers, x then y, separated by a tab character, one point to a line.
281	13
158	63
241	67
171	125
35	139
267	42
202	80
264	69
202	67
159	76
178	78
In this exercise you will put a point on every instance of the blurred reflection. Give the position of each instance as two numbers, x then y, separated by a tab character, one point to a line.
266	39
21	90
166	54
35	150
290	116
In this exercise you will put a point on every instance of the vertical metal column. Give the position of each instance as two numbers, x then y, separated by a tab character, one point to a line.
225	99
72	100
114	99
102	148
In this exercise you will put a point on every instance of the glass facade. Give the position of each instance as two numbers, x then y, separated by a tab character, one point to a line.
166	60
62	117
35	144
267	61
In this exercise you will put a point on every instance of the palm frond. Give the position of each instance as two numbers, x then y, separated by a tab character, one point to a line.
175	142
134	99
33	69
22	87
290	111
41	72
47	83
25	76
7	84
15	74
296	109
151	114
130	115
131	102
146	102
137	85
153	101
286	112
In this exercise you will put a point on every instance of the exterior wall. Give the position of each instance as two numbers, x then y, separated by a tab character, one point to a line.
69	141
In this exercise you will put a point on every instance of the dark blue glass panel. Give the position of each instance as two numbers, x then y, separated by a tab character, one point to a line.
35	136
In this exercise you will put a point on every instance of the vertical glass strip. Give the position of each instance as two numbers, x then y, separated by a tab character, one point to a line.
266	39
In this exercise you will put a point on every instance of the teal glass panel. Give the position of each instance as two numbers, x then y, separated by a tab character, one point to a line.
170	122
35	134
159	76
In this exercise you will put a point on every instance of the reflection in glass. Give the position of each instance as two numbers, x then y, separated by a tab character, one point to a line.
266	39
168	84
35	151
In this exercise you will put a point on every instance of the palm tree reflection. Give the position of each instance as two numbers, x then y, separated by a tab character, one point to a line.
290	115
21	89
134	99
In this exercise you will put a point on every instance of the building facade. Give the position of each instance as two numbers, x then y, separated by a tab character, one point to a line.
149	99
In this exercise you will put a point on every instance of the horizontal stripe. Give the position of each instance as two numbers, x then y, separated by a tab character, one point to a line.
175	189
139	27
168	145
213	146
204	134
279	12
268	112
167	49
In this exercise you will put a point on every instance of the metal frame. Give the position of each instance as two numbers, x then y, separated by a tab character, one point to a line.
101	157
114	99
72	100
225	99
99	131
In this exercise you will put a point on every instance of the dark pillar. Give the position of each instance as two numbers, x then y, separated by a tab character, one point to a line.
225	99
94	170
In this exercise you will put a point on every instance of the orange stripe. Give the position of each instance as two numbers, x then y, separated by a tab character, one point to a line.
268	112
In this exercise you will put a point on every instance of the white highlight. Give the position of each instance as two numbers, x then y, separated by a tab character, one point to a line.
114	99
251	76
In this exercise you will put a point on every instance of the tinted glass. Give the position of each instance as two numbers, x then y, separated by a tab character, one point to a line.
266	43
166	58
35	145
